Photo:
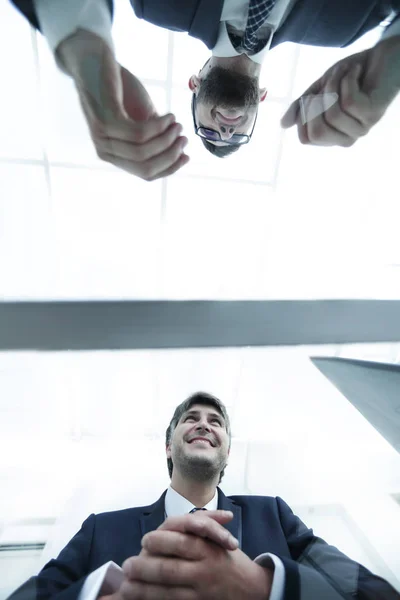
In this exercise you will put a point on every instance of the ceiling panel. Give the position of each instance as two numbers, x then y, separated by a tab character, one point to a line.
20	110
65	130
26	260
213	239
141	47
107	230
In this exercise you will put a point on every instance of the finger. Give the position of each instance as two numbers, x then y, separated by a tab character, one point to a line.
293	113
154	167
144	131
350	93
220	516
175	543
208	526
137	590
136	100
181	162
122	149
314	128
320	133
119	127
161	143
335	127
353	101
308	107
161	570
346	115
311	103
314	105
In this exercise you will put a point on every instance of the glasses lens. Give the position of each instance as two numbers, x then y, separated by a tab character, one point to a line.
237	138
209	134
214	136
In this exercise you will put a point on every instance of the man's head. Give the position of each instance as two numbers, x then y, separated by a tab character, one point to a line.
225	101
198	438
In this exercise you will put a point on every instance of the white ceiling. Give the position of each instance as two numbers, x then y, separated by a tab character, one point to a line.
275	220
62	412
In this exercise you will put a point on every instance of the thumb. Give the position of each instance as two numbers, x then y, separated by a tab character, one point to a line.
221	516
137	102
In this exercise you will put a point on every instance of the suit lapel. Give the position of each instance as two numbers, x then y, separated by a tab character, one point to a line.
153	515
234	526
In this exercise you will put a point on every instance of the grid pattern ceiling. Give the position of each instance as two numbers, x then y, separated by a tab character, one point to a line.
276	219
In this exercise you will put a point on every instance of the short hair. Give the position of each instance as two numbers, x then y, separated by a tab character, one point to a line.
220	151
197	398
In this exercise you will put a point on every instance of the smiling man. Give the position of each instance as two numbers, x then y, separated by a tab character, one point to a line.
195	543
226	96
200	454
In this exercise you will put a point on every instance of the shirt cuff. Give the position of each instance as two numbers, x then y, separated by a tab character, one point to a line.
393	29
105	580
59	19
278	582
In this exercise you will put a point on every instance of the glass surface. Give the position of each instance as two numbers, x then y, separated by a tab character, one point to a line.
276	220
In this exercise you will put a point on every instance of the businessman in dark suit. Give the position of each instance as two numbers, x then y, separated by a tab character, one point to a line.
184	547
336	110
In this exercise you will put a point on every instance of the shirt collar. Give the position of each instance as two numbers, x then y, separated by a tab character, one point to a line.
224	46
176	505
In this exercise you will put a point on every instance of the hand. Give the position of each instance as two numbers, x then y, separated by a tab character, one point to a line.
208	527
349	98
180	562
123	123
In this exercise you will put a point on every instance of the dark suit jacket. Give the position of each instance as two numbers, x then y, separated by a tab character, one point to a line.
313	569
314	22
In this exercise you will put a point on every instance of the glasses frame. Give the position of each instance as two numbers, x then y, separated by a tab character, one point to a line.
197	129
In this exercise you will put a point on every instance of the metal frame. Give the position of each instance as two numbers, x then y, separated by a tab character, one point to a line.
129	325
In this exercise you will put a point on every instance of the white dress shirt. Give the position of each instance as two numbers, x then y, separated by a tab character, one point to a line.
234	17
107	578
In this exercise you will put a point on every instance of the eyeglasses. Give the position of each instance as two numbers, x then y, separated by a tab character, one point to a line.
215	136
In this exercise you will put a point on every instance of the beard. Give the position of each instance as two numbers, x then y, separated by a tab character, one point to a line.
227	89
199	468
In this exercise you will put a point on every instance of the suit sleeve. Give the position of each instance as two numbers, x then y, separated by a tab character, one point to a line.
59	19
62	578
318	570
27	8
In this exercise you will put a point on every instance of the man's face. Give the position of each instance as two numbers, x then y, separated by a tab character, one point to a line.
227	102
200	443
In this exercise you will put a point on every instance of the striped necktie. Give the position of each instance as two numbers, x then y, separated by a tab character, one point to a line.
259	11
195	510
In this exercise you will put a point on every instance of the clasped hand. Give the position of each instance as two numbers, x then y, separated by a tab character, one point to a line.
193	557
